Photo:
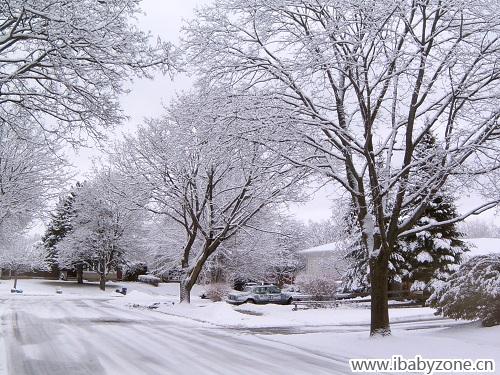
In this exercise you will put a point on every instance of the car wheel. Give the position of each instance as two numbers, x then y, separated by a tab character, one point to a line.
289	301
250	301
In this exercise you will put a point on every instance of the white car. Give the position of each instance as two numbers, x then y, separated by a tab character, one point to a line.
260	294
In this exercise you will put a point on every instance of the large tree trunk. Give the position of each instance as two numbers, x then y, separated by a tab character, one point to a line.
191	277
102	275
379	298
102	282
79	274
185	290
15	279
184	287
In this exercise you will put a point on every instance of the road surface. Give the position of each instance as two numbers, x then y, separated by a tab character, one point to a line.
58	335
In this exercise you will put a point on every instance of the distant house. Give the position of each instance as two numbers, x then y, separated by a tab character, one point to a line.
326	260
91	275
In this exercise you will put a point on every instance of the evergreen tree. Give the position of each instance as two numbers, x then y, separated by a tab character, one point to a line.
472	292
421	258
436	253
59	226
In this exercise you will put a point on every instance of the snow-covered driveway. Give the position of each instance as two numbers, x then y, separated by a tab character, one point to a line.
85	335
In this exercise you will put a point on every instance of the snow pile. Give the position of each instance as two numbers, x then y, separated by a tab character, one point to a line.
149	279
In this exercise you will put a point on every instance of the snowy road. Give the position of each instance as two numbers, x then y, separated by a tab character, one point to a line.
52	335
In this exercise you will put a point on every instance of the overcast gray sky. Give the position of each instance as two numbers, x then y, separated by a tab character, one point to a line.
147	97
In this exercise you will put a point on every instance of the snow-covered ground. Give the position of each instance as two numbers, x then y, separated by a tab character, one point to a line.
3	360
87	331
255	316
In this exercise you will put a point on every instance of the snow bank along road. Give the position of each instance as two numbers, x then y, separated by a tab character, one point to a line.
59	335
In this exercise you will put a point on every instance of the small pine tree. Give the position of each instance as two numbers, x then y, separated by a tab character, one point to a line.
436	253
59	226
433	254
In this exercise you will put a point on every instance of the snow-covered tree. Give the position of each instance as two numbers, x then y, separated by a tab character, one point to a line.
104	229
267	250
63	64
426	256
435	253
479	228
21	254
322	232
364	79
165	238
59	226
432	254
473	292
30	175
208	182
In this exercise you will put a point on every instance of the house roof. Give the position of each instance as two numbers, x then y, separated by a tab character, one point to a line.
328	247
481	246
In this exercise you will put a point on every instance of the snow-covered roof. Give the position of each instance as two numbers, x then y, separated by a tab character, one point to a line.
483	246
328	247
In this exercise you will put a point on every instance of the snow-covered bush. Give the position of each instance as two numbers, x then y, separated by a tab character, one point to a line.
217	291
320	288
473	292
133	270
149	279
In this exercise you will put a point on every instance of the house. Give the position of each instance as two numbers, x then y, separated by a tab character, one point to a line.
90	275
326	260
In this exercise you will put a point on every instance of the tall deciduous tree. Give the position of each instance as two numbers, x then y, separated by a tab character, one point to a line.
267	250
365	80
63	64
209	183
30	175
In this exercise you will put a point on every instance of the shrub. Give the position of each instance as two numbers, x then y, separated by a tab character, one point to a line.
217	292
132	271
473	292
320	288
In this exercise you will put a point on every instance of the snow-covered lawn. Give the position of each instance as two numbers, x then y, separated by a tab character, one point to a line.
469	341
3	361
255	316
